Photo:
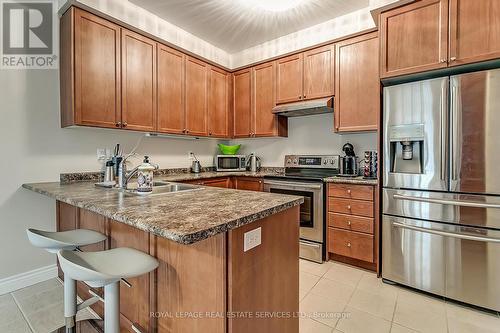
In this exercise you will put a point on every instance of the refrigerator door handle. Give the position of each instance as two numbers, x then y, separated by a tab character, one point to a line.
443	131
454	129
447	201
446	233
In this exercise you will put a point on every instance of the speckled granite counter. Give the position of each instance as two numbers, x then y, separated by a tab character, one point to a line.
184	217
354	180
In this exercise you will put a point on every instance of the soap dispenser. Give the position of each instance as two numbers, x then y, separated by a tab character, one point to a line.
145	176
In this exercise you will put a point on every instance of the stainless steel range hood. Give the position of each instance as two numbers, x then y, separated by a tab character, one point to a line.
305	108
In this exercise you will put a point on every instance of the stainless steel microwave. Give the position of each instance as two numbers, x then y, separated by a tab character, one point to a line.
230	162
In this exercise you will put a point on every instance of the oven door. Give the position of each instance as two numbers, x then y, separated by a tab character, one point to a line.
311	211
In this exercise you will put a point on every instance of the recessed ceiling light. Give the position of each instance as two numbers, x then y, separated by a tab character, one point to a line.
273	5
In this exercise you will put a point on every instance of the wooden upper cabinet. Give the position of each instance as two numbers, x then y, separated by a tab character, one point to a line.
96	66
264	88
242	100
171	66
414	38
357	87
474	31
196	96
138	82
319	69
218	103
289	81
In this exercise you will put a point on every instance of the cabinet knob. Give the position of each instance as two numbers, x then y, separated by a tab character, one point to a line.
453	58
300	97
125	124
187	131
349	223
209	133
349	207
348	244
305	96
348	191
118	124
442	61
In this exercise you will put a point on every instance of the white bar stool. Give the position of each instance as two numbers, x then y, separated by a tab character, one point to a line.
67	240
106	269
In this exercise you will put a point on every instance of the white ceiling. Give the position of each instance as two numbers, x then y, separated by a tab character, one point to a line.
233	25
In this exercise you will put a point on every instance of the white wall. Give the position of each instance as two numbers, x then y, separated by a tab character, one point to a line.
307	135
35	149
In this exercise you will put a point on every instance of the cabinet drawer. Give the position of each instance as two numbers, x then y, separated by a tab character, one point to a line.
360	192
349	206
350	244
351	222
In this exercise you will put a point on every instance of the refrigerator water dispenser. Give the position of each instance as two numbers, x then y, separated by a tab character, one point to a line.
407	148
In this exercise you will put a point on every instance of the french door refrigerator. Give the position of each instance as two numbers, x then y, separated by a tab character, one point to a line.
441	187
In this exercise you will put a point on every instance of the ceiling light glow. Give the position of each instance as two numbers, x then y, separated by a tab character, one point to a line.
273	5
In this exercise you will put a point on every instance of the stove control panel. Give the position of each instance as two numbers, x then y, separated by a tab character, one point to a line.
312	161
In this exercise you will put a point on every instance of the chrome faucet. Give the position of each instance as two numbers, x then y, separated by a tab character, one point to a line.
124	176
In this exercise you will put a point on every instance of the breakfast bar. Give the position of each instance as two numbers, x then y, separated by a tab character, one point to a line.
222	253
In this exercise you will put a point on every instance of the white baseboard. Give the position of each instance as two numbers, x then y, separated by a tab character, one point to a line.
27	279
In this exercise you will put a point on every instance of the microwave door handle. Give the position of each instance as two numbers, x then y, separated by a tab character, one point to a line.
446	233
447	201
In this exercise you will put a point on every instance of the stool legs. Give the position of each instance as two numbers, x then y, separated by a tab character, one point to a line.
70	304
112	308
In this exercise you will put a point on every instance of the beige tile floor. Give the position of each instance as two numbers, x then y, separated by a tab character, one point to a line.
38	308
333	298
363	303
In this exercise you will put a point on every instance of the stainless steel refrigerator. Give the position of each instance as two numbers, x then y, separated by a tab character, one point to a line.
441	179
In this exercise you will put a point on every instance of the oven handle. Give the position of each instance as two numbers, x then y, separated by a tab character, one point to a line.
308	186
446	233
447	201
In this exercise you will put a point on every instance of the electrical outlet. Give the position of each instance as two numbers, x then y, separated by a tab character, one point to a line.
101	154
252	239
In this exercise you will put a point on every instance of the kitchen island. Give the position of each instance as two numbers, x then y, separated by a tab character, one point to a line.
207	281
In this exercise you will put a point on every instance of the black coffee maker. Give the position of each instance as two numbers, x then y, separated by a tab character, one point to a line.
349	166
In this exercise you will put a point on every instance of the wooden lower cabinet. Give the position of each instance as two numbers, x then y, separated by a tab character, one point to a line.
134	301
249	183
224	182
352	234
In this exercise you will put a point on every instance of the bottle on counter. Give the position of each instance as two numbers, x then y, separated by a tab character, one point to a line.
145	176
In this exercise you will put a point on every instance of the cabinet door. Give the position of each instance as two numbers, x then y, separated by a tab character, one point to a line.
138	82
134	301
218	103
196	96
319	72
414	38
218	182
248	183
264	88
171	116
474	31
242	103
289	81
97	71
357	86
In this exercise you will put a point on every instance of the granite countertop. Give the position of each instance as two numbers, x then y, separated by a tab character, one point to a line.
183	217
351	180
178	177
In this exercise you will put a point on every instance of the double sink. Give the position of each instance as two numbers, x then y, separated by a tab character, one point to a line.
159	187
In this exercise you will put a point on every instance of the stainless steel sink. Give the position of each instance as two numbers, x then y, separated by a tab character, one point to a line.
160	187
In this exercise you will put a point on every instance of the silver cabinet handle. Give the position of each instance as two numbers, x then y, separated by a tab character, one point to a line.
446	233
447	201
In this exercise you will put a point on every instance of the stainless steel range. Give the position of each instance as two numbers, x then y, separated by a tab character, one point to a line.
304	176
441	196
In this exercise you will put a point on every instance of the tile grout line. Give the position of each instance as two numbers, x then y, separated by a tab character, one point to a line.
25	317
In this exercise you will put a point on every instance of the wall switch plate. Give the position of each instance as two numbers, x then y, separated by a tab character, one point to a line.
101	154
252	239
